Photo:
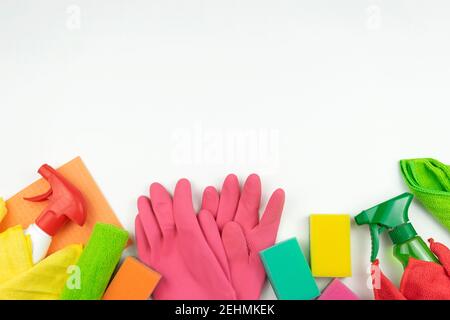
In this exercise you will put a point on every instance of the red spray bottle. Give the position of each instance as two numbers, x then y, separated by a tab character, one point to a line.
66	204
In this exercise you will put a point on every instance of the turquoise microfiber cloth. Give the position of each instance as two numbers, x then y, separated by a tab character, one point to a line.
429	180
97	263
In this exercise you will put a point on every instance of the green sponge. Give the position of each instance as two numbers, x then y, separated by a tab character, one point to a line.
289	272
98	262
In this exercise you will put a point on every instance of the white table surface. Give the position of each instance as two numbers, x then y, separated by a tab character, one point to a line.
322	98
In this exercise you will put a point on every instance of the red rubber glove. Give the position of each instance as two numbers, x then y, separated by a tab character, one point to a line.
170	240
243	233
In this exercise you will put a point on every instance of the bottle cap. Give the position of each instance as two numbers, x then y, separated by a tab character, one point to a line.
402	233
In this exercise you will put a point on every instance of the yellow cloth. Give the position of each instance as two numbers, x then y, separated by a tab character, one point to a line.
3	210
15	253
20	280
44	281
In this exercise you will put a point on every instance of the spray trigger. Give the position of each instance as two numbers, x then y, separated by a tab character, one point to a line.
41	197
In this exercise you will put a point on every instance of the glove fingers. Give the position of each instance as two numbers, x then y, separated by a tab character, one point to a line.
162	207
235	244
143	247
183	208
274	209
229	200
212	236
247	214
148	220
270	221
198	257
210	201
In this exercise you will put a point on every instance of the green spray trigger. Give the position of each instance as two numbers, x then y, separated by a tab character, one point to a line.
392	216
375	232
385	216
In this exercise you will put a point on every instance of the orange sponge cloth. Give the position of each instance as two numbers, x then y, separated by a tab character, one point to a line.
133	281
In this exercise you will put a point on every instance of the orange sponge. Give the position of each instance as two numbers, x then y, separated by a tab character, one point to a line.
133	281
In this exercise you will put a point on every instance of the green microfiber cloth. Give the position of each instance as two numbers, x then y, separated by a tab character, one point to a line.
429	180
98	262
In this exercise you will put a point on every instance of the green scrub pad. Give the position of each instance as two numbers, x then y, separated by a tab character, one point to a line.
289	272
97	263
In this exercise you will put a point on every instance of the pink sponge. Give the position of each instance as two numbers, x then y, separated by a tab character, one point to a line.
338	291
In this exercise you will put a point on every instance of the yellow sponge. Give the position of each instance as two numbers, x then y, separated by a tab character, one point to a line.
330	245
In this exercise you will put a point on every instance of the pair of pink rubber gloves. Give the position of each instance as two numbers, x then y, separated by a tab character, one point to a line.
213	255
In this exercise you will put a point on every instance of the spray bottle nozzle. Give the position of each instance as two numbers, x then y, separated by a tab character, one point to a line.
390	215
65	202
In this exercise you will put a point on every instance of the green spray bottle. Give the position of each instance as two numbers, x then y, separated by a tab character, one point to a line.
392	216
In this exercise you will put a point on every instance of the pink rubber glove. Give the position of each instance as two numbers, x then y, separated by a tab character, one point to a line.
244	235
170	240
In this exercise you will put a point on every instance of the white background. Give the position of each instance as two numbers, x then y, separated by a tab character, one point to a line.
332	94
